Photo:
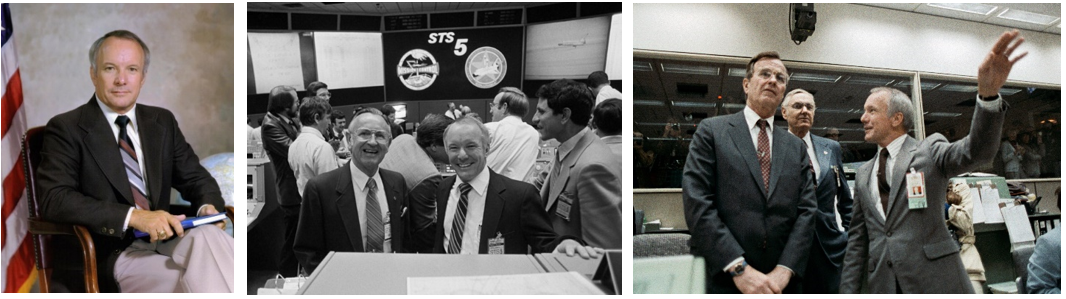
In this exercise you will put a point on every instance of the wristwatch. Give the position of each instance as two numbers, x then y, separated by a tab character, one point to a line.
738	270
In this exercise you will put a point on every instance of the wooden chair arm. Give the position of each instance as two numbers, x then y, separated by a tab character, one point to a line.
229	213
85	239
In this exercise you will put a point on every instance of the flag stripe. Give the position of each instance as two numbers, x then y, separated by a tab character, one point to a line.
12	102
14	186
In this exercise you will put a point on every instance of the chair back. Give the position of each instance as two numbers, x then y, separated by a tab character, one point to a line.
653	245
1021	254
31	157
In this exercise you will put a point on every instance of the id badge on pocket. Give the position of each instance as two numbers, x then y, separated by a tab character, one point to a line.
496	244
916	198
562	206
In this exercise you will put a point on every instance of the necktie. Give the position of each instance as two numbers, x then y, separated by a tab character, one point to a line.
375	229
882	183
455	244
764	153
133	169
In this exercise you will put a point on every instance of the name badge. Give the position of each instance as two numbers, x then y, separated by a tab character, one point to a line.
562	206
916	198
496	244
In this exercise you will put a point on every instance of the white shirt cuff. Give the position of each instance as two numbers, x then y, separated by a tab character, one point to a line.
991	105
730	264
787	268
201	209
126	224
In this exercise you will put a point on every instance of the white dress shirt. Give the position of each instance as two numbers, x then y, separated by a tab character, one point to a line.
893	150
812	156
359	180
310	155
133	132
606	93
475	212
751	118
513	147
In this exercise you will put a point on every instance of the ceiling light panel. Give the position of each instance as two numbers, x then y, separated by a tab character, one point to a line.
814	78
1027	17
959	88
693	104
648	103
942	114
643	66
856	80
925	85
974	8
689	69
1009	91
735	72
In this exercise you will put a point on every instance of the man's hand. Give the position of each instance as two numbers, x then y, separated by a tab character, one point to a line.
159	225
993	72
754	282
779	278
570	247
210	210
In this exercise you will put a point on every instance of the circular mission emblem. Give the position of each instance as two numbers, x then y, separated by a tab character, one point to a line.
417	69
485	67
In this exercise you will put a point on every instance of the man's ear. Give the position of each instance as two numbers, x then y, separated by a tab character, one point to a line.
566	114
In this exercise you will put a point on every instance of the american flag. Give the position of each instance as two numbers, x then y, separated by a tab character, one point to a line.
18	271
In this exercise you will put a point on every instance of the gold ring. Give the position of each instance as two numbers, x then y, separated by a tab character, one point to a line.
162	234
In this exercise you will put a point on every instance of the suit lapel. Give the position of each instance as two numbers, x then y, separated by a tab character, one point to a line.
346	206
396	207
103	146
777	158
899	171
493	209
862	182
821	152
742	140
558	184
442	209
151	134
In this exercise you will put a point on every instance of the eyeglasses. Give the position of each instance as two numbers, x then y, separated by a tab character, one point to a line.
367	135
766	74
800	106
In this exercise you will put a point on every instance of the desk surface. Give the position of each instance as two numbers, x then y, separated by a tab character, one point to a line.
380	274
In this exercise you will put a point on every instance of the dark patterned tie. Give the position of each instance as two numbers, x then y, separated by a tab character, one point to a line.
882	183
455	244
764	153
375	228
133	169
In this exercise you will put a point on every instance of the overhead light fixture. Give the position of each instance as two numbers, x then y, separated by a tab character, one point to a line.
814	78
693	104
925	85
942	114
975	8
1009	91
648	103
839	129
842	111
1027	17
642	66
959	88
733	106
855	80
689	69
735	72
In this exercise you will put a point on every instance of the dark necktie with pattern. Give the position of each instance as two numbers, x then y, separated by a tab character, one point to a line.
375	228
455	244
133	169
764	153
882	184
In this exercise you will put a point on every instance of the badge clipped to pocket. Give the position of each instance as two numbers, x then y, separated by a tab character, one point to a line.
916	198
562	206
496	244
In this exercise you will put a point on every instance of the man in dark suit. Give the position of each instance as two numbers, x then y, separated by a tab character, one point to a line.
343	208
279	131
748	192
898	242
831	191
110	164
482	212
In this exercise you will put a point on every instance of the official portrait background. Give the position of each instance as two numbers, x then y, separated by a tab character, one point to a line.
190	73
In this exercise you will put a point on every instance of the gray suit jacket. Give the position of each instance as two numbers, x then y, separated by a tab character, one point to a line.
729	210
912	248
832	186
593	179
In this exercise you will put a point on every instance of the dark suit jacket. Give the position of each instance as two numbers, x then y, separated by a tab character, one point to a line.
913	248
830	241
329	219
277	136
513	209
82	179
728	209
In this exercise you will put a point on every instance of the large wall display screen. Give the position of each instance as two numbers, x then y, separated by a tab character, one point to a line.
567	50
349	59
451	64
275	60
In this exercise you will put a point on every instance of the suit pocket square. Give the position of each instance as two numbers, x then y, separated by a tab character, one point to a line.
940	249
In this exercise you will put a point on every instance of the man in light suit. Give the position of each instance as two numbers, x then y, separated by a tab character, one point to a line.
748	192
356	208
279	131
583	192
110	164
898	242
482	212
831	191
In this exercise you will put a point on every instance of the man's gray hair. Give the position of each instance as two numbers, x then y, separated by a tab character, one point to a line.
898	102
788	96
94	51
466	120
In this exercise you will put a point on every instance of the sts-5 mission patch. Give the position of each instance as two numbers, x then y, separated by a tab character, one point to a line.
485	67
417	69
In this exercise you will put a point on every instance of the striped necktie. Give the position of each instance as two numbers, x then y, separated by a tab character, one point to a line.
455	244
133	169
375	227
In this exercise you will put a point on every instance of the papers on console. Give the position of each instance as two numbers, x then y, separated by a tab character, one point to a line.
560	283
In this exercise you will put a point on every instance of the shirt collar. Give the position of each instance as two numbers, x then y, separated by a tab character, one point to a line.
807	139
894	146
511	118
111	115
565	147
480	183
751	117
360	178
314	132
